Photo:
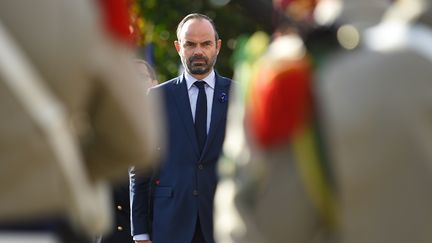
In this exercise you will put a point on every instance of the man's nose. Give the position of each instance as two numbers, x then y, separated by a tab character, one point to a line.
198	50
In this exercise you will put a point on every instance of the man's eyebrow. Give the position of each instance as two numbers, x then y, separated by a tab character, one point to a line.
189	42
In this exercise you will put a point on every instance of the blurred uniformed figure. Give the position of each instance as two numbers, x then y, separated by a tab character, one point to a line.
274	187
357	167
377	104
72	117
120	230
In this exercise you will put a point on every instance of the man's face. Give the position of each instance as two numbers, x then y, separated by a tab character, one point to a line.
197	47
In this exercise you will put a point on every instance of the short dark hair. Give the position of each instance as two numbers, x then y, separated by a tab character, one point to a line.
151	72
196	16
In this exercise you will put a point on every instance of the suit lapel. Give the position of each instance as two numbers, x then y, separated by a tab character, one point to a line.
180	92
219	109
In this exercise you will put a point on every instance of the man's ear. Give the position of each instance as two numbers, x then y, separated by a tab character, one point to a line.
177	45
218	45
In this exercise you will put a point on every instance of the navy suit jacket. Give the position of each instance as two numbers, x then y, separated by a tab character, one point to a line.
186	181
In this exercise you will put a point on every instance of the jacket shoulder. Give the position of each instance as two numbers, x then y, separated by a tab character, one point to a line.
166	84
224	80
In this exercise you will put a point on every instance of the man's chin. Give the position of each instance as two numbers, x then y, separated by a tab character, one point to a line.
199	71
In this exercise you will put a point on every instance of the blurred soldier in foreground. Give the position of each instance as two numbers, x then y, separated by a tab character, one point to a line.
72	117
377	103
274	188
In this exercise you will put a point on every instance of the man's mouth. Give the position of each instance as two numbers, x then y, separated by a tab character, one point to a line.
198	61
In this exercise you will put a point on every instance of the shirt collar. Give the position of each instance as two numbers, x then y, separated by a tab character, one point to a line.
210	79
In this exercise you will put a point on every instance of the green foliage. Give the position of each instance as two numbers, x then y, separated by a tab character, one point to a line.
160	19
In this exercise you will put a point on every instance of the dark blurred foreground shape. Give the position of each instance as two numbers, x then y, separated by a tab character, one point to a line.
74	115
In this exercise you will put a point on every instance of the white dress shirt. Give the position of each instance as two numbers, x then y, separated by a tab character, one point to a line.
193	93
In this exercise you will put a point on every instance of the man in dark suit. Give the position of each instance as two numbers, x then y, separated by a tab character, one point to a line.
182	191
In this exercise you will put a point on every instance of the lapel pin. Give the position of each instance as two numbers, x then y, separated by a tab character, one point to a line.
223	97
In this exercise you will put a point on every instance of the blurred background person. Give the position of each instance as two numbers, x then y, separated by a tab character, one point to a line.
146	73
121	231
71	121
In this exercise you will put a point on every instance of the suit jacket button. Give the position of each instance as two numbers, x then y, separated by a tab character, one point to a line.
119	228
195	192
119	207
201	166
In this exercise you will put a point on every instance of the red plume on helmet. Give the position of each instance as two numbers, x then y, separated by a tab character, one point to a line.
284	102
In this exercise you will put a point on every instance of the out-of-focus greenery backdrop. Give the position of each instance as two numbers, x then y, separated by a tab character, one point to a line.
158	21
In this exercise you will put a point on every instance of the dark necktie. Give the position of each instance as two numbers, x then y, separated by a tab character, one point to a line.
201	115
